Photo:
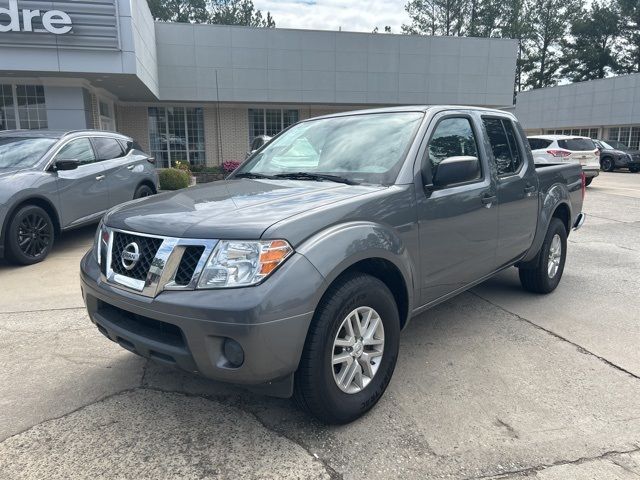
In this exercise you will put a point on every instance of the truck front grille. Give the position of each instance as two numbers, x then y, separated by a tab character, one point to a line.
147	248
150	264
188	264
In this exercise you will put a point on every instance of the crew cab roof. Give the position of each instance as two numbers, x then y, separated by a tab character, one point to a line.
416	108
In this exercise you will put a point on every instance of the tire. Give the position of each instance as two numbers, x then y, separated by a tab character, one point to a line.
143	191
608	164
316	388
30	235
536	277
634	169
587	181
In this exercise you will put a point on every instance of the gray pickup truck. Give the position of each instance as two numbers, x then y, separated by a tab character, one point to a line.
296	275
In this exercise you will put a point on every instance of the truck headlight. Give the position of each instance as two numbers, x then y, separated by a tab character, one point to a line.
236	263
101	242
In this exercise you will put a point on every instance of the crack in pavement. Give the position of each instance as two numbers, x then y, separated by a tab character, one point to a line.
333	474
43	310
544	466
578	347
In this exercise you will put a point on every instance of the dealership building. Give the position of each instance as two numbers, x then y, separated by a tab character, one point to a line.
608	108
203	92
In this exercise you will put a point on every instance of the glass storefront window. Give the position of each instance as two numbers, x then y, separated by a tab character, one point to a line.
177	134
270	121
630	136
22	107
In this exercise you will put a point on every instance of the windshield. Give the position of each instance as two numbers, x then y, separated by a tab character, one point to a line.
366	148
23	151
614	145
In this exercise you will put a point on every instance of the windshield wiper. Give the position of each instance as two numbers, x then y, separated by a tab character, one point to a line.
315	176
252	175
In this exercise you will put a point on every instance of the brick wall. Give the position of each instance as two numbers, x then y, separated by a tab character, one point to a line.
134	122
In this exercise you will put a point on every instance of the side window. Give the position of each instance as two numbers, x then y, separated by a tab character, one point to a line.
107	148
516	155
129	145
504	145
79	149
453	137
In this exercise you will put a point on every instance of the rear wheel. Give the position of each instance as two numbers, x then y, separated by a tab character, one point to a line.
544	273
143	191
587	181
351	350
30	235
607	164
634	169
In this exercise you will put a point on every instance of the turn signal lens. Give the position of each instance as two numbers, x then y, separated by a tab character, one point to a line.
237	263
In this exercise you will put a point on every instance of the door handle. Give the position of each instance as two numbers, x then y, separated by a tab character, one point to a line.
100	177
529	189
488	199
130	167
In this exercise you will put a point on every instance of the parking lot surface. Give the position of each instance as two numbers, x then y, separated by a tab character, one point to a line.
496	383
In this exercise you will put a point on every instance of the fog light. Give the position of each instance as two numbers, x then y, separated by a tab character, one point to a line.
233	352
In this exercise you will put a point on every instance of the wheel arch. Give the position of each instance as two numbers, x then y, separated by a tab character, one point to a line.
41	202
148	183
368	248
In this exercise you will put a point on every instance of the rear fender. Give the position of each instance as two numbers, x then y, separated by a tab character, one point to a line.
556	196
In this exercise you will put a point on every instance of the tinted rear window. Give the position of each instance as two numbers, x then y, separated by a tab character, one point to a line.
538	143
577	144
107	148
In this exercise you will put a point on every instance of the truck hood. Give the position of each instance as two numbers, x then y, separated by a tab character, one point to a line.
231	209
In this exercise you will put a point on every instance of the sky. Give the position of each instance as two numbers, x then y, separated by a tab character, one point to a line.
351	15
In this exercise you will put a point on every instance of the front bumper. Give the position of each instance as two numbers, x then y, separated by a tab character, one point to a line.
187	328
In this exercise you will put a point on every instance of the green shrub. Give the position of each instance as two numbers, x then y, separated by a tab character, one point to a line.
173	179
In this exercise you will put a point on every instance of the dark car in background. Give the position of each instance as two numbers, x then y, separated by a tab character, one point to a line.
615	154
53	181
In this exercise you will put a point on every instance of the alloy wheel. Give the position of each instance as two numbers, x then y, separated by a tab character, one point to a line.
555	255
34	235
357	349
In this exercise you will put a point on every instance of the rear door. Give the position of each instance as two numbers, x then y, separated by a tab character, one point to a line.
119	169
458	224
517	188
83	192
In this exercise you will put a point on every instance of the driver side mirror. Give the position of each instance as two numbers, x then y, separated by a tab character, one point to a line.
455	170
66	164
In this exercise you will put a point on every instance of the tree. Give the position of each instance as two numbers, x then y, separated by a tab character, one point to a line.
436	17
589	52
226	12
630	30
239	12
193	11
549	24
515	22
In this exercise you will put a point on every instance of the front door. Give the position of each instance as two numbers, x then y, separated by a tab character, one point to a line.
517	189
458	223
83	192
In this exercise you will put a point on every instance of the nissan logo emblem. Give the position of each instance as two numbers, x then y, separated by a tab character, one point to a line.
130	255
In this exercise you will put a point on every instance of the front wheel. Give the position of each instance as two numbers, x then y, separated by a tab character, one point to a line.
544	275
350	351
607	164
634	169
30	235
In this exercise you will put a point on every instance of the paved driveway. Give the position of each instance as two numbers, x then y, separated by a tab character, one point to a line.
496	382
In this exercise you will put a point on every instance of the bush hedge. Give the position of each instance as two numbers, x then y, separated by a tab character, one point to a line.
173	179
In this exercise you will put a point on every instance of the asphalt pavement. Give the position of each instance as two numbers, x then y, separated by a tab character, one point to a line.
496	383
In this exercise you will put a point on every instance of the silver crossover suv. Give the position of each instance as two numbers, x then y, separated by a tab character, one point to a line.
53	181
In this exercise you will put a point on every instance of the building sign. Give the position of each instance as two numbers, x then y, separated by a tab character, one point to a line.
85	24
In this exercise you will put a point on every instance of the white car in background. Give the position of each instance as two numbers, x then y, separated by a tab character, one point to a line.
567	149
